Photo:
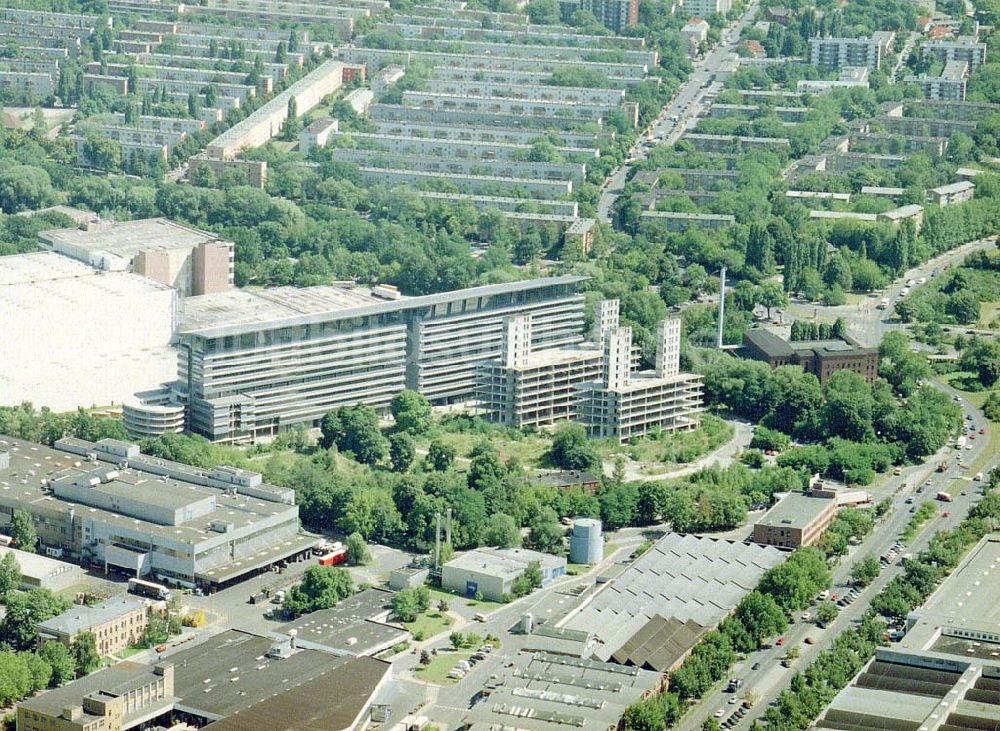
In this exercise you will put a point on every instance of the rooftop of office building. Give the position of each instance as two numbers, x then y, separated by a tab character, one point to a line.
231	313
795	510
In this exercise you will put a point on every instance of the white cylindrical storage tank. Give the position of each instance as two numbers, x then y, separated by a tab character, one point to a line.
586	545
527	623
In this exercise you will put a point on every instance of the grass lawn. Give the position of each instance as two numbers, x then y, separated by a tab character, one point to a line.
439	667
428	624
660	452
484	606
527	449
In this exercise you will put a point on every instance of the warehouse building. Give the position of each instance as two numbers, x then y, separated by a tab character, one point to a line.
119	315
357	625
191	261
111	507
549	691
256	363
798	519
653	613
492	572
945	672
234	681
625	404
42	572
116	623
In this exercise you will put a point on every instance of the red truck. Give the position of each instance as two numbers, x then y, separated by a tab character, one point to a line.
334	557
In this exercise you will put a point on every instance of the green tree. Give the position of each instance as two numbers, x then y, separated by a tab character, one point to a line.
357	550
62	662
543	12
826	612
322	587
402	451
10	575
411	411
23	187
865	571
963	306
355	429
571	450
761	616
405	605
546	534
22	530
849	407
502	531
440	456
85	653
772	295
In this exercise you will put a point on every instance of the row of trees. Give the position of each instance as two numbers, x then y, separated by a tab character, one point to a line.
760	615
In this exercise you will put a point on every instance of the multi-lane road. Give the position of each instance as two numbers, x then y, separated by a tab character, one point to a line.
682	109
917	484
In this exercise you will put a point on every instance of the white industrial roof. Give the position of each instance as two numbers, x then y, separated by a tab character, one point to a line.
77	337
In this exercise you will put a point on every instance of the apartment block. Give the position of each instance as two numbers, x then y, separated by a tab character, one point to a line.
949	85
505	205
576	142
625	404
733	143
487	105
646	58
948	195
462	149
256	363
963	48
266	121
683	221
375	58
705	8
512	169
317	134
834	53
615	14
473	117
468	183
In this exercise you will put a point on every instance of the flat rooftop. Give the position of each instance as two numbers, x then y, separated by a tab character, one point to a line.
37	566
331	701
354	626
107	334
795	510
968	599
118	679
128	238
232	670
247	307
238	311
18	486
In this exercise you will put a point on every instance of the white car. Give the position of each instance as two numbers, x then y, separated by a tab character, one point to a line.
720	713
